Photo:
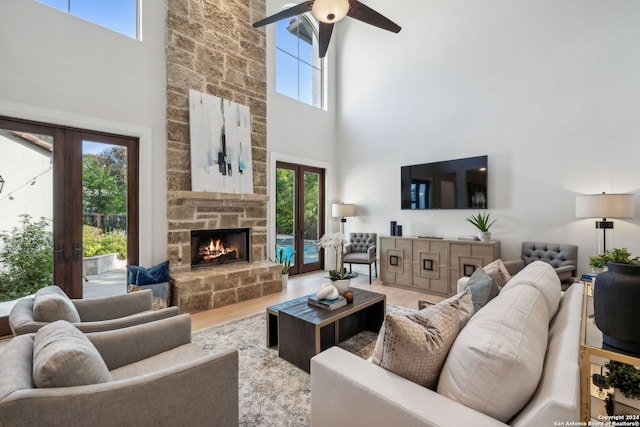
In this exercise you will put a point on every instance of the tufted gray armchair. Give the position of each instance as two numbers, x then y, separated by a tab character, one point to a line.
362	250
563	258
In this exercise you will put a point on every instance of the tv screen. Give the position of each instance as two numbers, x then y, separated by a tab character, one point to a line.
450	184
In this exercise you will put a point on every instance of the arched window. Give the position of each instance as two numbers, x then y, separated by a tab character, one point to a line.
299	72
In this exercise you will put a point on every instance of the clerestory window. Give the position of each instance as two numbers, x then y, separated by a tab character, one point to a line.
121	16
299	71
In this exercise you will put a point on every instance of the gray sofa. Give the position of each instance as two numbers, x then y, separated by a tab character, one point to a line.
348	390
88	315
156	377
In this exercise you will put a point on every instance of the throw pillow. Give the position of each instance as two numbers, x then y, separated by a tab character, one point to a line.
64	357
496	361
159	273
465	307
415	346
498	271
483	288
51	303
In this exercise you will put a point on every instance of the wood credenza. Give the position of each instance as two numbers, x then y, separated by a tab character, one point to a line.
432	265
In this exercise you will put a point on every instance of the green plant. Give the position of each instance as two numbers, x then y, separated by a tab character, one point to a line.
285	260
96	242
612	255
26	260
481	221
625	378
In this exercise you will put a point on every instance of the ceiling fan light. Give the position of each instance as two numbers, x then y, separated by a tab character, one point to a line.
330	11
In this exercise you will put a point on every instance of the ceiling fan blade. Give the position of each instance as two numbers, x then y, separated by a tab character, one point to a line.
367	15
292	11
324	38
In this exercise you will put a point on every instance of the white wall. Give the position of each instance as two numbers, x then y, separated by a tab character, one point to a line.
548	89
297	132
60	69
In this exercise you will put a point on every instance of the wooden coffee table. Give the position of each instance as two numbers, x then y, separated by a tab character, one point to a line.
305	330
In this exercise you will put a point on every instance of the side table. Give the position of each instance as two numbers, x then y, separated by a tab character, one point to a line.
593	353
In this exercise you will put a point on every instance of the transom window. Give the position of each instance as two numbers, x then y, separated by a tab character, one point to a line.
118	15
299	72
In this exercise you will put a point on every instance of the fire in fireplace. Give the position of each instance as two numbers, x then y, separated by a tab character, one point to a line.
220	246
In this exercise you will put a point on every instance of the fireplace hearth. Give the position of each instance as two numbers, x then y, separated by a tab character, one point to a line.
211	248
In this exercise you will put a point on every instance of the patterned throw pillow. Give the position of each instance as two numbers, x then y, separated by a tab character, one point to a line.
159	273
415	346
483	288
498	271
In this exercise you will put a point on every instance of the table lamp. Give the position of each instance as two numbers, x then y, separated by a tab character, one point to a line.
342	211
605	206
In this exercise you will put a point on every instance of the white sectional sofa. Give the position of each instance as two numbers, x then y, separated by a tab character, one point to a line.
349	391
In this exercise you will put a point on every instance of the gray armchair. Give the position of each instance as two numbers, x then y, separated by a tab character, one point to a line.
362	250
89	315
153	376
563	258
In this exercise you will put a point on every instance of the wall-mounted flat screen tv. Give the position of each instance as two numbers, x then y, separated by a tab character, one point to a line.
450	184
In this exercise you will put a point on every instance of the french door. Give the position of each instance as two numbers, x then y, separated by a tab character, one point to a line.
300	201
62	174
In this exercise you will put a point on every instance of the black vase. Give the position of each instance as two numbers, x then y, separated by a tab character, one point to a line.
616	303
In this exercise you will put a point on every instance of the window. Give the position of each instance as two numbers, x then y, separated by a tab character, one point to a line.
299	71
117	15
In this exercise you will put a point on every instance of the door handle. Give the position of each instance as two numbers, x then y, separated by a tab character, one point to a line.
60	253
76	248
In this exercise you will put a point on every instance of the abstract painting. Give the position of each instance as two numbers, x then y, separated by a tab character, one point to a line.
220	145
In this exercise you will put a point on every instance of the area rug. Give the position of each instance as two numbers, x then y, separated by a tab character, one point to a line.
272	391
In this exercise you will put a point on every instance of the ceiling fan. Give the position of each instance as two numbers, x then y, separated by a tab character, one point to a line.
328	12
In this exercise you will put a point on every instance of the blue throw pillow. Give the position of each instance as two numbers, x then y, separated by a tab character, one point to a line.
141	276
483	288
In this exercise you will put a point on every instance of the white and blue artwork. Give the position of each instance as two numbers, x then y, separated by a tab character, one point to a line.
220	145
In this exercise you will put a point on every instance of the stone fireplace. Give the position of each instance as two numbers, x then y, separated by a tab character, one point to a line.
202	55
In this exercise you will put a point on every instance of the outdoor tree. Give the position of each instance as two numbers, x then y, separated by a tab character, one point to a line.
104	181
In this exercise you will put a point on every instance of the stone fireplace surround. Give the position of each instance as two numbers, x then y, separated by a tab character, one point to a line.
204	289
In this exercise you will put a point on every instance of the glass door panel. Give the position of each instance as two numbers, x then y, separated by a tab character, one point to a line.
311	215
104	218
285	214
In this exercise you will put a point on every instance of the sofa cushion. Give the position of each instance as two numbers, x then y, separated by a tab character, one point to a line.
543	277
498	271
415	346
51	303
64	357
495	364
483	288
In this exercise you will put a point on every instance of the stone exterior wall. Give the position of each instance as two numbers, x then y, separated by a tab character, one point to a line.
212	48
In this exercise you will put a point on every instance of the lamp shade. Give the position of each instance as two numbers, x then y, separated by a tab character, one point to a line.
330	11
339	210
605	206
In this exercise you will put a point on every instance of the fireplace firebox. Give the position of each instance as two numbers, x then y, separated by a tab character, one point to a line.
210	248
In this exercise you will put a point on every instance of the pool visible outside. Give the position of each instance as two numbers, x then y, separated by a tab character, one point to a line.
285	242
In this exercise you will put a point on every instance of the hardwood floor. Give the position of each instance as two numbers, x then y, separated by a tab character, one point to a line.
300	285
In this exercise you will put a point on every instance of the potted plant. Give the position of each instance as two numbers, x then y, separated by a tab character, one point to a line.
625	380
339	278
483	223
600	261
285	261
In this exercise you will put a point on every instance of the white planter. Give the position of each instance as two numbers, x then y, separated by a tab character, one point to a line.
285	280
341	285
484	236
